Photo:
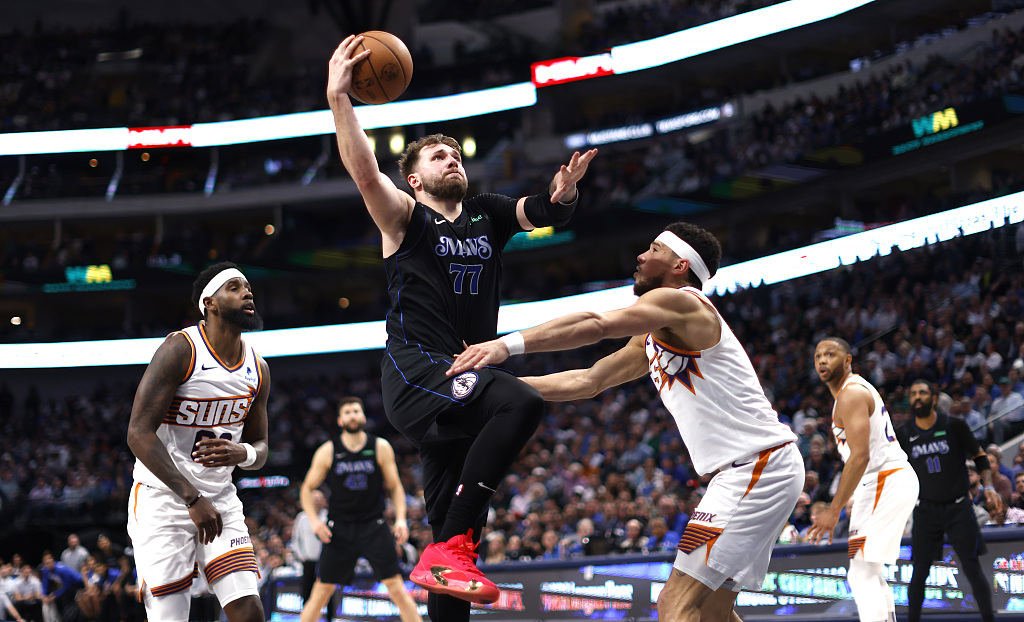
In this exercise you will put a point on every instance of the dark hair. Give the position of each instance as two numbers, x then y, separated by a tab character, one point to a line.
843	344
350	400
702	241
204	279
928	383
411	155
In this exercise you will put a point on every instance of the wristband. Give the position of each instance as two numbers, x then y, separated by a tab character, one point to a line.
250	455
194	501
989	488
514	342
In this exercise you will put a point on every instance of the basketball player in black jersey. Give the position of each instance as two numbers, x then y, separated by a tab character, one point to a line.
938	447
442	255
357	467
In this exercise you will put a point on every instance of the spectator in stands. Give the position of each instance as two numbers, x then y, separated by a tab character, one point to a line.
495	548
1002	484
661	540
27	594
634	541
993	450
59	583
1007	413
74	556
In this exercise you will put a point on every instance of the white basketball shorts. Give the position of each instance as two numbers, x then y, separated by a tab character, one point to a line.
729	539
882	504
168	553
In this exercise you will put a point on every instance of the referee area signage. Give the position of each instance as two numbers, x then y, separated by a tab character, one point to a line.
802	579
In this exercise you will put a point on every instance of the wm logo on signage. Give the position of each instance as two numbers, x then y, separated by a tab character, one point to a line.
934	123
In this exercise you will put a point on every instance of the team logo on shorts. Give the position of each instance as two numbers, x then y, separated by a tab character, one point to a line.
463	384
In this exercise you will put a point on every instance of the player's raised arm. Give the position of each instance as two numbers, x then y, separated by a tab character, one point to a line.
562	196
628	363
389	207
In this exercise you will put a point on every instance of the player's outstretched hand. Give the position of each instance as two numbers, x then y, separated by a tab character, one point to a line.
567	176
207	519
823	524
218	452
340	68
479	355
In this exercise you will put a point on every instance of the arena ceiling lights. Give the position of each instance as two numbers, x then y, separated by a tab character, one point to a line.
961	221
622	59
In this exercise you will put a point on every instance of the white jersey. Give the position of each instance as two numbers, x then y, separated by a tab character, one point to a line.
212	401
716	399
884	450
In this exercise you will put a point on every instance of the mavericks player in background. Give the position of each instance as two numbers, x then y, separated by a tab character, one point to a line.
442	256
939	447
357	467
877	476
200	410
706	381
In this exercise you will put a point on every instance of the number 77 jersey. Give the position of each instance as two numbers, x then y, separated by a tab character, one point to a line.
883	449
212	401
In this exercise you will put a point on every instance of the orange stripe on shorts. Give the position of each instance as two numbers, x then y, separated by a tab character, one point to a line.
881	482
855	545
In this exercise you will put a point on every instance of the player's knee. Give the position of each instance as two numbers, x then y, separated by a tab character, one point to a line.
245	609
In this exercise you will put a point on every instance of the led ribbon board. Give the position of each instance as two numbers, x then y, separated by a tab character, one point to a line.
793	264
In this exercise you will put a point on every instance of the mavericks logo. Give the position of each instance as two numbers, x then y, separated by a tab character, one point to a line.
463	384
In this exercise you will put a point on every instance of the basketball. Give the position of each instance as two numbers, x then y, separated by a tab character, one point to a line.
385	74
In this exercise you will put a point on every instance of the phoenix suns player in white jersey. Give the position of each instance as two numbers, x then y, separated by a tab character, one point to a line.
200	410
707	382
877	476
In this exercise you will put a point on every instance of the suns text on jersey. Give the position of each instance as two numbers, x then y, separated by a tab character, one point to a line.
206	413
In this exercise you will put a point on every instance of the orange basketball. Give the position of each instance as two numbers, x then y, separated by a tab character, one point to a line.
385	74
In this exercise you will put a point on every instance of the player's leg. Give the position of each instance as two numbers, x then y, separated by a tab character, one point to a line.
682	598
867	582
501	420
720	606
406	605
319	595
925	540
965	536
247	608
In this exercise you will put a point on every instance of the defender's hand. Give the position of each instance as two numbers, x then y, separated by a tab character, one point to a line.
479	355
207	519
564	183
341	67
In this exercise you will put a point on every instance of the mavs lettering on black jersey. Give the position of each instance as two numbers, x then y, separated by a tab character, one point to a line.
939	456
356	483
444	279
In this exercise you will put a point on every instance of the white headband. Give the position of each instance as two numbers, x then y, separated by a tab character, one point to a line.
217	282
685	251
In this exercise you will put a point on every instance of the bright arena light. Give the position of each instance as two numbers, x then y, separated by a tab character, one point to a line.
966	220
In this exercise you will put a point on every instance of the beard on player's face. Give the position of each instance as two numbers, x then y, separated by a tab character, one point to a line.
241	319
646	284
354	427
920	408
447	187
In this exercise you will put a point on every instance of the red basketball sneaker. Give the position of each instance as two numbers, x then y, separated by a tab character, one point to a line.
450	568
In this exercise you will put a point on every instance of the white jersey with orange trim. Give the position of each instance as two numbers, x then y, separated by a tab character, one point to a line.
884	451
212	401
716	399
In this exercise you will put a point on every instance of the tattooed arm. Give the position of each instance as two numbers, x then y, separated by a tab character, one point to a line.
160	382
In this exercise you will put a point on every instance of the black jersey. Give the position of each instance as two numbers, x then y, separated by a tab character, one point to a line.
444	280
939	456
356	483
